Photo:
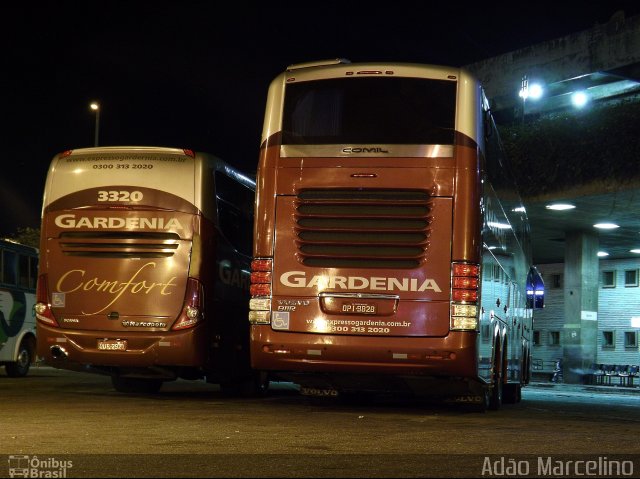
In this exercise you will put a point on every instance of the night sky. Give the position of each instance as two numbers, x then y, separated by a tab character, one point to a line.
190	74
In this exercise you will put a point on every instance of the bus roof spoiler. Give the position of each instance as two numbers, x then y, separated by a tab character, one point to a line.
319	63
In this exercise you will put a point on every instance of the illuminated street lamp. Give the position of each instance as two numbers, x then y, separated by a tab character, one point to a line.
533	91
579	99
95	106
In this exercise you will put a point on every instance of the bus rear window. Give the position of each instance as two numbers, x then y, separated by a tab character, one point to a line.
369	110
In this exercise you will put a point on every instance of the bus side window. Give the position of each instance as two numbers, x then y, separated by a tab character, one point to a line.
23	271
235	212
33	272
9	264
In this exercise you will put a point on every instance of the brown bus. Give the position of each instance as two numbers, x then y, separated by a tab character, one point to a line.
391	247
144	273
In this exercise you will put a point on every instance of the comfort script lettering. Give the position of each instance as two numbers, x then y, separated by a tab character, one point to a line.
74	280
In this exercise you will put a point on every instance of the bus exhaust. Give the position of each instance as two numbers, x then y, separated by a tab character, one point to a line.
58	353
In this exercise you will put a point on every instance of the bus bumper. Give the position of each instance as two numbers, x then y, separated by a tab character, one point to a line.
450	355
156	354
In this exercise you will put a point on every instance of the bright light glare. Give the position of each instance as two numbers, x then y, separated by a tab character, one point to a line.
560	206
500	226
579	99
602	254
637	251
535	91
95	106
606	226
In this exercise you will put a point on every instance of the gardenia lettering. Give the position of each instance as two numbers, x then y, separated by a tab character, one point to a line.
70	221
298	279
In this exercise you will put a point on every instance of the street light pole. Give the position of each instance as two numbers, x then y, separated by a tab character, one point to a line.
524	93
95	106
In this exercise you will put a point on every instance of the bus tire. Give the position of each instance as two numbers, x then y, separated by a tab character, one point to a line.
482	405
20	367
255	385
511	393
136	385
495	397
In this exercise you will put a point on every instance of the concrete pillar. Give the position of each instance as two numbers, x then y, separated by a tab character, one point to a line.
581	270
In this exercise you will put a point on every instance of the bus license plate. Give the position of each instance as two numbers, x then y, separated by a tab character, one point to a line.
112	345
359	308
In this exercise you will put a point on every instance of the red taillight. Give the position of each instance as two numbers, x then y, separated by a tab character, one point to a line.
465	269
263	289
42	306
261	277
189	153
192	310
262	265
465	279
260	290
465	283
466	295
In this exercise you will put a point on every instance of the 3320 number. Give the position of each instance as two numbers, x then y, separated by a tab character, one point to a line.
126	196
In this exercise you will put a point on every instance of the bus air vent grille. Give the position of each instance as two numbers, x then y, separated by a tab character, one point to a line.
125	244
362	228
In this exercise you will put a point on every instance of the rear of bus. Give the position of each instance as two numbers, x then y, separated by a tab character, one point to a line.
367	237
121	289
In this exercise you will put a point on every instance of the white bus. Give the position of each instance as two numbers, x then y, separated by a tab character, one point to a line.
18	275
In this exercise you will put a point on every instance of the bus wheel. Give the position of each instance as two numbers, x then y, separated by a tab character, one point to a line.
260	383
482	403
136	385
495	398
255	385
511	393
20	367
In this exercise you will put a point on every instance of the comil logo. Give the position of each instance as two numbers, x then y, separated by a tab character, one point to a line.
374	149
33	466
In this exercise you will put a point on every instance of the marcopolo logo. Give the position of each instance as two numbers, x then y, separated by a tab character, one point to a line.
34	466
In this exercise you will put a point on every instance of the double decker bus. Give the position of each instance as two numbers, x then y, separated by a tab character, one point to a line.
144	274
391	247
18	276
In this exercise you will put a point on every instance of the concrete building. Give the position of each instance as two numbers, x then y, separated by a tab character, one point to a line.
616	322
592	305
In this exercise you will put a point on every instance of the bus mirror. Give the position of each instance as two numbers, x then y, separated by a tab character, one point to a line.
535	289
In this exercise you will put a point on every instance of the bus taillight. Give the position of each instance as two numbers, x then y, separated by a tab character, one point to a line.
42	306
192	310
260	289
465	279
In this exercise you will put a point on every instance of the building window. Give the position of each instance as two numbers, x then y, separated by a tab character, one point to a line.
631	277
554	338
631	339
608	340
536	338
608	279
556	281
497	272
484	332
